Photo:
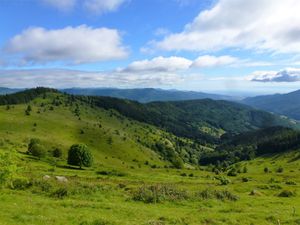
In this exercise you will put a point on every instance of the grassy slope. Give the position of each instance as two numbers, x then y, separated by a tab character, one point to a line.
112	203
62	128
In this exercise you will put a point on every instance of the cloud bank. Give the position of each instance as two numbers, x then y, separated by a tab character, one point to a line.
286	75
76	45
62	78
256	24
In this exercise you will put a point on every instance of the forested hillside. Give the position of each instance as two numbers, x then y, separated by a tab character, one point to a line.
283	104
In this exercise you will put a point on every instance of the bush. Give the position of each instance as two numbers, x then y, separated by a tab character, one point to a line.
35	148
177	162
280	169
57	153
21	184
286	194
61	193
42	186
79	155
111	173
158	193
38	151
232	172
290	183
224	180
245	179
216	194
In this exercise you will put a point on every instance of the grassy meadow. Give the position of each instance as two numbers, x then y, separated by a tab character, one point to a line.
129	183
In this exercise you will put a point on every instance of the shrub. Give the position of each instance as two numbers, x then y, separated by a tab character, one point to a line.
79	155
232	172
286	194
216	194
159	193
57	153
290	183
224	180
42	186
28	110
280	169
245	179
111	173
61	193
21	184
177	162
36	149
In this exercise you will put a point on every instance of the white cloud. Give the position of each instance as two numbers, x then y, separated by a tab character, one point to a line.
161	31
159	64
213	61
77	45
256	24
286	75
73	78
94	6
102	6
63	5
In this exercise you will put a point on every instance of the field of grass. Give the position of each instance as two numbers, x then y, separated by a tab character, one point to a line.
123	186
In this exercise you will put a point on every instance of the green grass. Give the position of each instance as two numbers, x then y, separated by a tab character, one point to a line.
92	196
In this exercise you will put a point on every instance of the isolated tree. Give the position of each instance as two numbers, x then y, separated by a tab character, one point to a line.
80	155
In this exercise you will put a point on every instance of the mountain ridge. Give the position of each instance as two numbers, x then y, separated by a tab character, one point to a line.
284	104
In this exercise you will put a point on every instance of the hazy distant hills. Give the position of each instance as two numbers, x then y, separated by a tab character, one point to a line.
284	104
147	94
4	91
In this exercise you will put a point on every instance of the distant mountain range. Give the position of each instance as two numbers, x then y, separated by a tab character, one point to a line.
4	91
142	95
147	94
284	104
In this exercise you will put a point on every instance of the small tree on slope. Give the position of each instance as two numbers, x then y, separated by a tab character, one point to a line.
80	155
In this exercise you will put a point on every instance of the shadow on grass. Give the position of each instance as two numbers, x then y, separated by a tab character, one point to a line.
69	167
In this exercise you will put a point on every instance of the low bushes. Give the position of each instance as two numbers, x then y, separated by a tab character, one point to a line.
217	194
111	173
286	194
159	193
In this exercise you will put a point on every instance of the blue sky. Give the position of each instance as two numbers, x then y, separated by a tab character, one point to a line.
226	46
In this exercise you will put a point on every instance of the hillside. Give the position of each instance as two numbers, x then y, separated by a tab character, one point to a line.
138	168
144	95
203	120
66	120
283	104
